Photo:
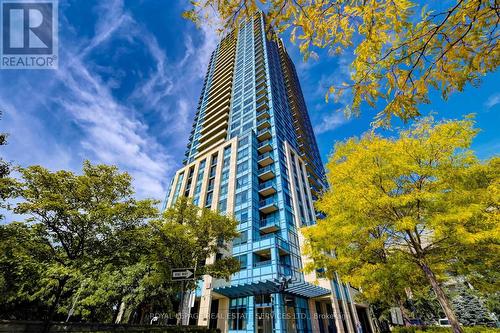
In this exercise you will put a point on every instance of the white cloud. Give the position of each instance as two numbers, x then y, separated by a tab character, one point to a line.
330	122
95	125
112	134
175	80
492	100
101	127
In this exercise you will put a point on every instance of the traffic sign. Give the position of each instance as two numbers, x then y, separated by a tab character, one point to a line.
179	274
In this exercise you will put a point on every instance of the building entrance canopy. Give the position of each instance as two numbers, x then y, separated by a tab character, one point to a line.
299	288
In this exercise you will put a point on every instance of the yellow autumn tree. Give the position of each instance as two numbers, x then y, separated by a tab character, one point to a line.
402	49
416	205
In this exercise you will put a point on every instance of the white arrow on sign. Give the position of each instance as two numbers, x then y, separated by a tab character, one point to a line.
181	274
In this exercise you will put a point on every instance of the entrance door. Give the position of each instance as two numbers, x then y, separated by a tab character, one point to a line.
263	319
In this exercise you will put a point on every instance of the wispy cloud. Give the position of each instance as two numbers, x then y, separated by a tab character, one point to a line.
93	123
330	122
492	100
340	74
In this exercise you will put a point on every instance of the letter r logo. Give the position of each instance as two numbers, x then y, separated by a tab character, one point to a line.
27	28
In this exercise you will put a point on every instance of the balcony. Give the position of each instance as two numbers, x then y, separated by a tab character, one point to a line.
263	115
264	134
267	188
262	263
263	105
268	205
260	83
273	240
269	225
266	173
265	146
261	73
261	91
265	159
262	98
264	123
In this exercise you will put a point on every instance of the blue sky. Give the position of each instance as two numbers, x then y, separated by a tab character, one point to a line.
129	79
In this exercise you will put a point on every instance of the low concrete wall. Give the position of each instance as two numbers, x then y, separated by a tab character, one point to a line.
20	326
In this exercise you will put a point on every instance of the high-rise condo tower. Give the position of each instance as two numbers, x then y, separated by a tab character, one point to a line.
252	153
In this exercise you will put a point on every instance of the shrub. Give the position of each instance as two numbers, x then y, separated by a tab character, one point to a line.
436	329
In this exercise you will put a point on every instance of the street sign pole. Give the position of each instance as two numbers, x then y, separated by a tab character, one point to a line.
182	275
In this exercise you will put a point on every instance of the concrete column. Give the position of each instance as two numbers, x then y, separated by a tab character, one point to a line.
347	317
325	313
336	309
355	318
205	302
314	315
223	315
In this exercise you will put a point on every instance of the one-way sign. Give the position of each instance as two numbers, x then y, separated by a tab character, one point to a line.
179	274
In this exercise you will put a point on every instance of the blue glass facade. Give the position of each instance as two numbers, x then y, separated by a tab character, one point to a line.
252	154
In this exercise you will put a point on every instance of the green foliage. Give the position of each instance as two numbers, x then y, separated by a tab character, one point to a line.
7	184
425	306
186	235
470	309
408	209
402	49
88	247
77	226
433	329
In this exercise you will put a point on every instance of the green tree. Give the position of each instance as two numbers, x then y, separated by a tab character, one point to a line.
24	258
470	309
425	306
7	184
81	222
420	200
402	49
187	235
89	251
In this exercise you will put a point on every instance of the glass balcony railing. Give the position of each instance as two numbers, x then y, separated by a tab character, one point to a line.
266	169
265	156
263	122
285	269
264	143
264	113
267	202
263	102
277	241
263	131
282	244
262	263
267	185
268	222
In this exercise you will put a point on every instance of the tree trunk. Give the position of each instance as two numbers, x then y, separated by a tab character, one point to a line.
121	310
406	319
442	299
53	307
